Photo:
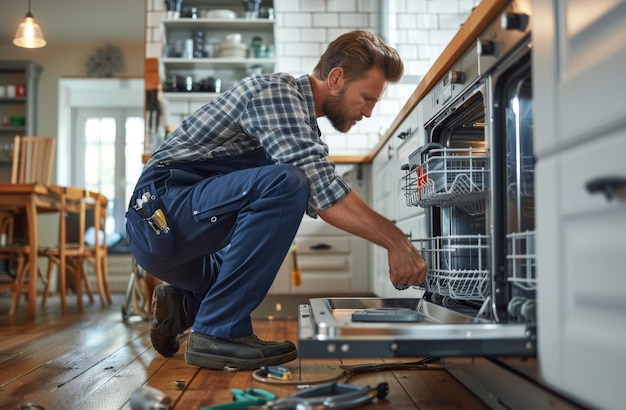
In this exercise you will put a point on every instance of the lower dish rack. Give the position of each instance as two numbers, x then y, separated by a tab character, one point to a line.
457	267
521	260
441	176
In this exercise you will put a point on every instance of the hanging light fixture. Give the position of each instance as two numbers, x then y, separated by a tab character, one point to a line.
28	33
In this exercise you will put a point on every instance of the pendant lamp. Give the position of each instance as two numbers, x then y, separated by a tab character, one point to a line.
28	33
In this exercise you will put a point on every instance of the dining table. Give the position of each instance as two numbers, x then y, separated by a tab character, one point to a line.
29	200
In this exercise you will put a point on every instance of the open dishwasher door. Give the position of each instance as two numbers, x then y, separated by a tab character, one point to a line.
381	327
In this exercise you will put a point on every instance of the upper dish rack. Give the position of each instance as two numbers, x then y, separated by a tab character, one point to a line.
441	176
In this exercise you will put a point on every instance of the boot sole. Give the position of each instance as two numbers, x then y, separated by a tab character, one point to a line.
217	362
158	340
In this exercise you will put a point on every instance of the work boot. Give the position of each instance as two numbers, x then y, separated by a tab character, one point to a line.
243	353
169	319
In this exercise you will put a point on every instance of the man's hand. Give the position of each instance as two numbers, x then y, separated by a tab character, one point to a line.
406	266
352	214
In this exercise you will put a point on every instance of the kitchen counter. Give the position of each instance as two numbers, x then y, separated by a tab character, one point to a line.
482	15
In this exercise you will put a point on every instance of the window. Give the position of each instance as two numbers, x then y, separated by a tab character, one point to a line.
108	146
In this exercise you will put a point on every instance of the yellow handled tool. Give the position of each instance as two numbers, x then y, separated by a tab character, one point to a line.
296	275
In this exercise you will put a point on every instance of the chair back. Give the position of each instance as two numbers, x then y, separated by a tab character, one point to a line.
33	158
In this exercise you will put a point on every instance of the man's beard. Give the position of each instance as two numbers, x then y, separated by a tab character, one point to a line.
336	111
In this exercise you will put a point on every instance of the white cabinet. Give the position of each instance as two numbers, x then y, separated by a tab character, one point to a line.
388	196
586	56
193	59
331	261
580	138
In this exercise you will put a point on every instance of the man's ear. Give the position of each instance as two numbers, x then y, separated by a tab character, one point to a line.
335	80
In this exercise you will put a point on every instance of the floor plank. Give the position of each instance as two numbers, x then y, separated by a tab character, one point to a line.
95	360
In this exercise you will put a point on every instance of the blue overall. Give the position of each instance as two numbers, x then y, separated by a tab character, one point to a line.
232	221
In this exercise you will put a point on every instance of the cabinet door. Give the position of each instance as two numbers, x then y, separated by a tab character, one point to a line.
580	261
586	54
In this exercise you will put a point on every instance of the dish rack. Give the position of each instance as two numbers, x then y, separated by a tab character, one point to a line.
457	267
521	260
441	176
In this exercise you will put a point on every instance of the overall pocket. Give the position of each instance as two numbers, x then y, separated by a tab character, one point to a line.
144	233
222	197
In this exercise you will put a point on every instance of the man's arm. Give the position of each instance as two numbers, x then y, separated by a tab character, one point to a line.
353	215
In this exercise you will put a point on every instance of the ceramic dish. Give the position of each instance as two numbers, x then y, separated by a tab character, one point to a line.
220	14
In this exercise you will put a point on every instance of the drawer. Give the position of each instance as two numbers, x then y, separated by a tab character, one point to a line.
322	245
598	159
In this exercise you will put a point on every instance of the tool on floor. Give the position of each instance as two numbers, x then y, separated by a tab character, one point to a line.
149	398
334	395
331	396
245	399
275	372
296	274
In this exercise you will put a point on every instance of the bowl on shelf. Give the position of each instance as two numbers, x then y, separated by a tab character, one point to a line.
219	14
232	50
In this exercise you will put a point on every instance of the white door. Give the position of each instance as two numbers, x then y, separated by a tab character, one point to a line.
106	145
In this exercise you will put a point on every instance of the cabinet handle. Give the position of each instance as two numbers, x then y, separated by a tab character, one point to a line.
610	186
320	247
404	134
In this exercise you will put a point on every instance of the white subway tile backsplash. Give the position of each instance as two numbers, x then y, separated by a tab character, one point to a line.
312	6
417	37
407	21
427	21
442	6
153	50
442	37
341	5
450	21
313	34
296	20
333	33
153	18
417	6
286	6
407	51
300	49
367	6
292	33
353	20
325	20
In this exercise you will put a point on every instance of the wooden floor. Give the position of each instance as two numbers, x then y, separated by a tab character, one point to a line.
95	360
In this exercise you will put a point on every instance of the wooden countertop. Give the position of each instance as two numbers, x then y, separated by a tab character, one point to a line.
482	15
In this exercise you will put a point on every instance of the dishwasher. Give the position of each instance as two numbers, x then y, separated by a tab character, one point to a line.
474	178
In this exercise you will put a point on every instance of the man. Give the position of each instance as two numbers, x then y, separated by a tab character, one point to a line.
219	203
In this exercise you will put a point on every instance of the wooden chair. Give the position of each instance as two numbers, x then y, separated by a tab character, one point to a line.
33	159
66	256
97	254
13	278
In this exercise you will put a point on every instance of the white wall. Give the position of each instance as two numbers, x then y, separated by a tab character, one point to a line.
419	29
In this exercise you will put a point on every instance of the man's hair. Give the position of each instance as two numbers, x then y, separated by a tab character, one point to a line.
357	52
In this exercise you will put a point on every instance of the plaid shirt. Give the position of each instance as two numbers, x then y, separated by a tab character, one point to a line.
272	111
